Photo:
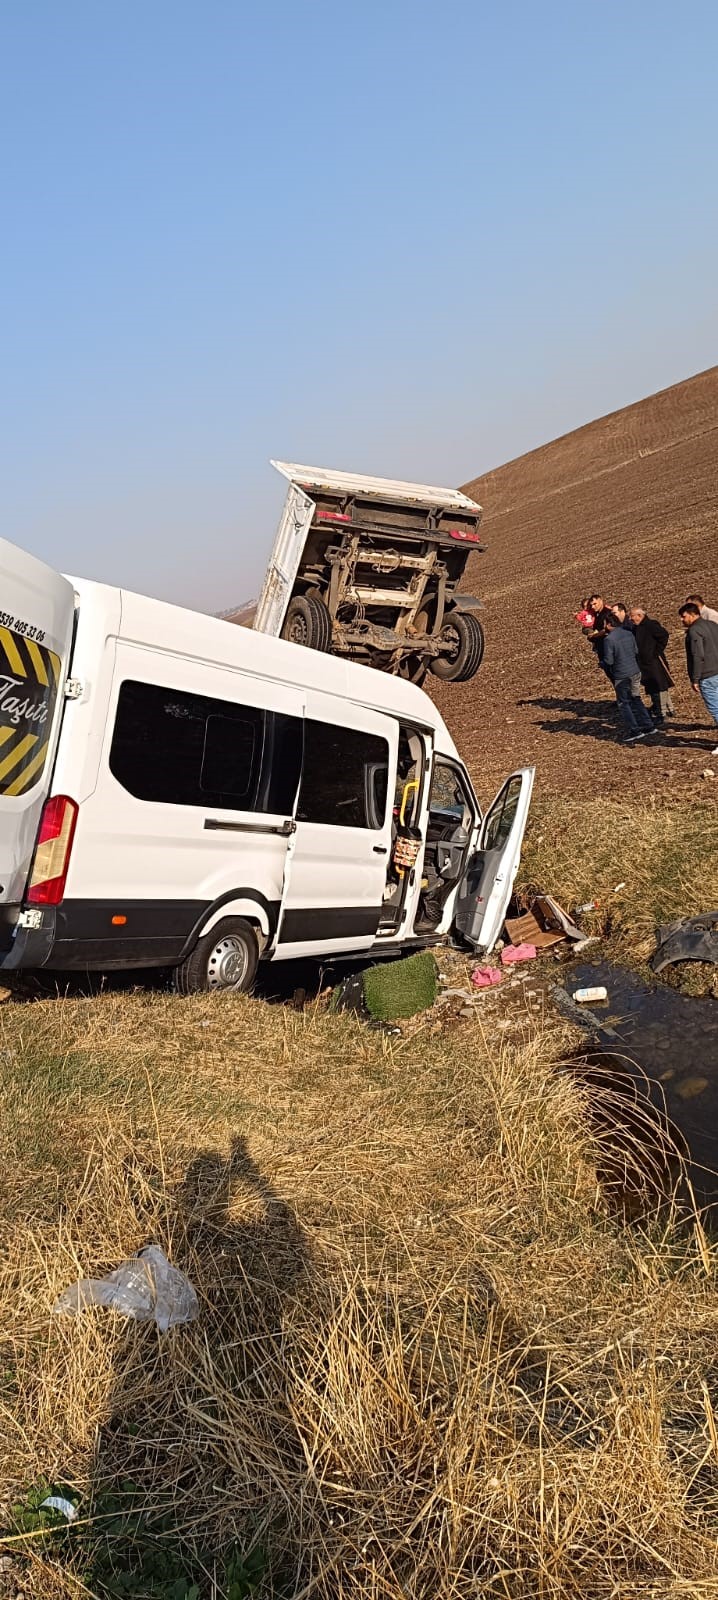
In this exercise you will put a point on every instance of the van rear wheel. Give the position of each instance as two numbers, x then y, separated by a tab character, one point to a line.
464	634
224	958
308	622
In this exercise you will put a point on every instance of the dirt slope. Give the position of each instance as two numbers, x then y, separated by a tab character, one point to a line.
626	506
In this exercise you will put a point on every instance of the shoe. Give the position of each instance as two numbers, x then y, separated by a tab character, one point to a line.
633	738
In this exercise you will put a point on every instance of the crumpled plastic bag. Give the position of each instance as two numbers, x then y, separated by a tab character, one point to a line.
147	1288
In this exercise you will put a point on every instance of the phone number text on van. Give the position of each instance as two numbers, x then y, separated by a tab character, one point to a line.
18	626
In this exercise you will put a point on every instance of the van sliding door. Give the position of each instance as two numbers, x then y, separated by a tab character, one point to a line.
339	853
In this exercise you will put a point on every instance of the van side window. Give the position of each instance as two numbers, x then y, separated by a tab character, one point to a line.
344	782
192	750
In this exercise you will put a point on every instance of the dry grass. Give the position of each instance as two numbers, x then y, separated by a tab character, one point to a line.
429	1363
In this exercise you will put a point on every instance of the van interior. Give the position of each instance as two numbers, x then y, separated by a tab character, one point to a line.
447	828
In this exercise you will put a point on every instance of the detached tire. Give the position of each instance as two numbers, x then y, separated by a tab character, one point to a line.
464	633
308	622
224	958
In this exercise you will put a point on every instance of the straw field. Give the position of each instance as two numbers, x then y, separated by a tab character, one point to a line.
432	1360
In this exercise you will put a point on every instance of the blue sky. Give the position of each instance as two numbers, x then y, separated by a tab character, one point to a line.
404	238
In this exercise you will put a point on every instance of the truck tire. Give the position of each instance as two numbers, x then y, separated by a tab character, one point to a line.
224	958
466	636
308	622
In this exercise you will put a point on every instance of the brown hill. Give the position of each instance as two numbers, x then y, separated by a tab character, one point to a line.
628	507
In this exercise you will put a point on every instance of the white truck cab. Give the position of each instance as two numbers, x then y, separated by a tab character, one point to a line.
179	792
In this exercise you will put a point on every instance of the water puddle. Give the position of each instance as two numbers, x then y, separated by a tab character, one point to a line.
664	1047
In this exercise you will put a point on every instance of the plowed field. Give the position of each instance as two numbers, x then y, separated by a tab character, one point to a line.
627	507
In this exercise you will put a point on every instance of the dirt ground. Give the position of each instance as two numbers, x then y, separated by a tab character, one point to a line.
628	507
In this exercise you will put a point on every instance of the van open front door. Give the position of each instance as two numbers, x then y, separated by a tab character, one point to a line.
484	895
36	621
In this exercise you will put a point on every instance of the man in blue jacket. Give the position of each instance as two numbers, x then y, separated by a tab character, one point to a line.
702	656
620	658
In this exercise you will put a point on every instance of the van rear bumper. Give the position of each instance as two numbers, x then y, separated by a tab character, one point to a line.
83	948
107	936
25	947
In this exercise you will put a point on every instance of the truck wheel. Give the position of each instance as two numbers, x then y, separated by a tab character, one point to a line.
308	622
463	631
224	958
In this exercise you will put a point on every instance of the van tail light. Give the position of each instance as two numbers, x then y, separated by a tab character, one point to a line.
464	536
52	851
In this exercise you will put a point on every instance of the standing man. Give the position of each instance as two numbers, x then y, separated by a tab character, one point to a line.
597	634
620	656
707	612
651	641
702	657
620	612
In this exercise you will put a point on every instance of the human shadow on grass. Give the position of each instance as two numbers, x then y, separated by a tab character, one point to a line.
194	1463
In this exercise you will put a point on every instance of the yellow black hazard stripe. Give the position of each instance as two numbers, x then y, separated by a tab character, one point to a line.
23	658
29	682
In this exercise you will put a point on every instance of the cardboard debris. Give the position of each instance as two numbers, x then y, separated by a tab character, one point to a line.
543	924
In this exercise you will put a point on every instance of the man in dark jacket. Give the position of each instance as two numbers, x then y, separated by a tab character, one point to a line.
651	641
597	634
702	657
620	659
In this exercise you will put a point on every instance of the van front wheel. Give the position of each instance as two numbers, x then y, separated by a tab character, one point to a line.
224	958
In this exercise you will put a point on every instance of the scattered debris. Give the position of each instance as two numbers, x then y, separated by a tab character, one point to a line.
583	1017
618	887
57	1502
542	924
147	1288
585	997
708	772
588	905
687	939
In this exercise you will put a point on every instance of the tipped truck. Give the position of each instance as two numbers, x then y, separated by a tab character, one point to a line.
369	569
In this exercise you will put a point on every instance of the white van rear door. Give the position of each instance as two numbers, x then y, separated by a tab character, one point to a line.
37	609
484	895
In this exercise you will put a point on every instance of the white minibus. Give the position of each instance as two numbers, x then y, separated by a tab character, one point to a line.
176	791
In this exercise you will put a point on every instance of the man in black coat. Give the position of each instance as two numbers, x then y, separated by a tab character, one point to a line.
651	641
